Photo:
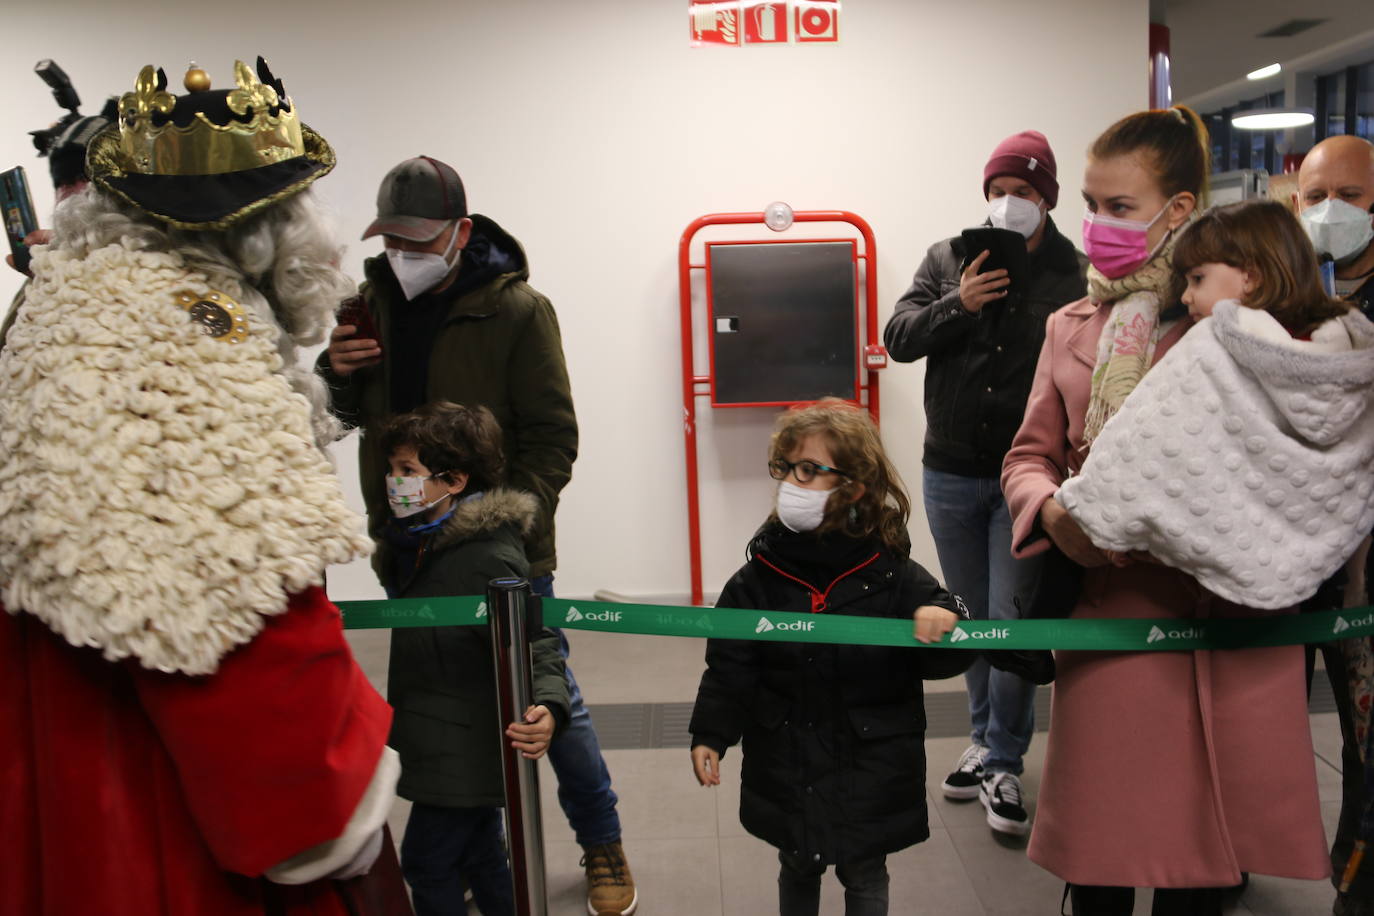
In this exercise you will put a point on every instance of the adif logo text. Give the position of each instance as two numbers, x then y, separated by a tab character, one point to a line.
959	634
1156	634
799	626
1342	624
601	616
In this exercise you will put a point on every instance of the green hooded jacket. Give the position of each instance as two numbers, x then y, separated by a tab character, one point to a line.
499	347
441	680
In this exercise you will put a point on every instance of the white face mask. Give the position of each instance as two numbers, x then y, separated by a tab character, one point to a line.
801	509
420	271
1339	229
406	495
1016	214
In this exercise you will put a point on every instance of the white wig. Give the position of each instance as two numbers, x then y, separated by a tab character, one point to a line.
283	260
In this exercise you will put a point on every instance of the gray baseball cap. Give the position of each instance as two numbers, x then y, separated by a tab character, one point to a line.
418	199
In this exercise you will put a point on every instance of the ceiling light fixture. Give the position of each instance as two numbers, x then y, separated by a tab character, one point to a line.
1272	118
1263	72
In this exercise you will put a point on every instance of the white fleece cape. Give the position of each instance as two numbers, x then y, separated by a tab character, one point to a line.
160	490
1245	457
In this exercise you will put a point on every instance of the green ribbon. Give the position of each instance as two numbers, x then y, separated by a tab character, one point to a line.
1117	635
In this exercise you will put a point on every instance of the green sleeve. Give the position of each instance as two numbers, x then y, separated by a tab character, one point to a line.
541	404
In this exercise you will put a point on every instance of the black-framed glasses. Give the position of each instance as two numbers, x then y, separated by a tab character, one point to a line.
806	471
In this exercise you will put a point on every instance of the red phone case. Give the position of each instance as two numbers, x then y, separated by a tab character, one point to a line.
354	311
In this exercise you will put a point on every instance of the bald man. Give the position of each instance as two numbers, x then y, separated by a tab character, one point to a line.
1335	200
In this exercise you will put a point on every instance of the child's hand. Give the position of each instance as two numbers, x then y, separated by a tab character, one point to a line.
706	764
933	622
532	739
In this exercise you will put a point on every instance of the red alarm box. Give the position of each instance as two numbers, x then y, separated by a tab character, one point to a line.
875	356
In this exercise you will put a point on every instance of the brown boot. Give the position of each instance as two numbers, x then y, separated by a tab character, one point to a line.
610	886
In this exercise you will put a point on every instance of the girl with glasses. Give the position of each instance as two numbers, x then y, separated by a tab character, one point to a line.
833	735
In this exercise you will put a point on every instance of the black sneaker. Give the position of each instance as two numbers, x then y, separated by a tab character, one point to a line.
1000	793
964	782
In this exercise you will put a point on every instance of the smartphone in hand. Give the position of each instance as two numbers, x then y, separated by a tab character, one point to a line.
1006	251
354	311
17	207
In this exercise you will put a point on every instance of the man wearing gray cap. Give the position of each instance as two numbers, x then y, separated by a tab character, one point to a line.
456	320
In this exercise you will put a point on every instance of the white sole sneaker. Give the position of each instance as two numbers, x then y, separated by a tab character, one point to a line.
628	911
960	793
1002	824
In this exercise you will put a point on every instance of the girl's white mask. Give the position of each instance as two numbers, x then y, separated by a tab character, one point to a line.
801	509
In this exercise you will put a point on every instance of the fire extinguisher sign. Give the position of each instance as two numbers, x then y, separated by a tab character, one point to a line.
765	23
752	22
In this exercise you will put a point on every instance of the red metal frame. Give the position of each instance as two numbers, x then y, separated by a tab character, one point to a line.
691	382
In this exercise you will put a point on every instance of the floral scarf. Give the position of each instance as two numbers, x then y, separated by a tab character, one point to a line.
1126	349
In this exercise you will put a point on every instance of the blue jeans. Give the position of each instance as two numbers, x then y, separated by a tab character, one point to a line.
446	849
972	530
584	783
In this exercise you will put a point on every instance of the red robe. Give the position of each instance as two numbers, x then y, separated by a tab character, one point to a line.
129	792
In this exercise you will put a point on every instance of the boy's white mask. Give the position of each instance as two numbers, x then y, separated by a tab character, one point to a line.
406	495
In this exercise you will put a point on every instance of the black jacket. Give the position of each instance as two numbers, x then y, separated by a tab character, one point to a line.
441	680
834	755
979	367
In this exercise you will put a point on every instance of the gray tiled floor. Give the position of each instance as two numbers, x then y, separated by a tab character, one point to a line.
690	855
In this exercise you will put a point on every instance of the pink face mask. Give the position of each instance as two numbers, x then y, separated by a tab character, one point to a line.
1115	246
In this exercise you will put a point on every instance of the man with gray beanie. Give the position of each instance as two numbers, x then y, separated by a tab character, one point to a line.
980	333
454	319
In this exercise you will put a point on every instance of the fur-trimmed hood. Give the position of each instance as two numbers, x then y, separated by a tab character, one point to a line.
160	490
486	514
484	532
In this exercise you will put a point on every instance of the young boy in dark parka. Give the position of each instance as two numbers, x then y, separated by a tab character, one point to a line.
454	530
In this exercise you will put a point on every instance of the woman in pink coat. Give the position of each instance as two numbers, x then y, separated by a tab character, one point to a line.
1171	770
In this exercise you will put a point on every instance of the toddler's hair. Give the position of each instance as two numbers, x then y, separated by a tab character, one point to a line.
449	437
883	507
1264	238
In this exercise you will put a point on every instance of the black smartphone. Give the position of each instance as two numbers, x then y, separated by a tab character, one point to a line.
17	206
354	311
1006	251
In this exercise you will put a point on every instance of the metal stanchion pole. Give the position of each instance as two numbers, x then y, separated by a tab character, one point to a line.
508	606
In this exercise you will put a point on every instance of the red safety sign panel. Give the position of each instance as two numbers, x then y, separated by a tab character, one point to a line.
765	23
714	22
817	20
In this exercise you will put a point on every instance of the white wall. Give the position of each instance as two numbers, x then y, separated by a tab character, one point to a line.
594	133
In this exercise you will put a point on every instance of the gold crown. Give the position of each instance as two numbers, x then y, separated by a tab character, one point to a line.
245	128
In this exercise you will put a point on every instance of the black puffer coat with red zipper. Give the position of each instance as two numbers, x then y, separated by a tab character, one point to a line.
834	753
